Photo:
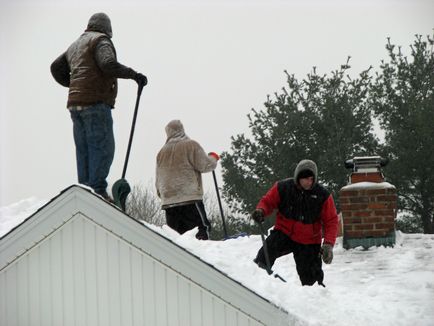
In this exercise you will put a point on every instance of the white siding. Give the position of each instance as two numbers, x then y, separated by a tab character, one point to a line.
83	274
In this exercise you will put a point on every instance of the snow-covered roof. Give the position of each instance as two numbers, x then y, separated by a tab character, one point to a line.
378	286
76	205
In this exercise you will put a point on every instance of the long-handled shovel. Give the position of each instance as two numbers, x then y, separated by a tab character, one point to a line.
242	234
267	257
121	188
220	205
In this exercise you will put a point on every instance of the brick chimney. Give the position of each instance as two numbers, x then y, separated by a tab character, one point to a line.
368	205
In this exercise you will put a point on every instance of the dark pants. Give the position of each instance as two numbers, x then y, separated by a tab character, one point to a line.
94	145
186	217
307	257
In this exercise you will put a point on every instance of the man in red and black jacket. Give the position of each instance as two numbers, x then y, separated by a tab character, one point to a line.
304	209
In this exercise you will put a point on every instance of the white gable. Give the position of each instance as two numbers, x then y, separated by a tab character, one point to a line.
81	261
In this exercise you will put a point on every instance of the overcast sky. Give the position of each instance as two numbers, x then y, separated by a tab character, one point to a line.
208	63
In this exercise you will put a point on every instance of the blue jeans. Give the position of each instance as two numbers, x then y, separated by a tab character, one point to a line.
94	145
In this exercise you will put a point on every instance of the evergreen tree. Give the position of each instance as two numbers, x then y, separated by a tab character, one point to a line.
403	99
323	118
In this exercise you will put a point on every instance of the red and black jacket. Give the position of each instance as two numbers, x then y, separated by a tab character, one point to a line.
302	214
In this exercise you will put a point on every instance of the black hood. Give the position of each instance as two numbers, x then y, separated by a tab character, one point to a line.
100	22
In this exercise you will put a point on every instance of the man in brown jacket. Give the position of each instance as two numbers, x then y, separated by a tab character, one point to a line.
180	163
89	69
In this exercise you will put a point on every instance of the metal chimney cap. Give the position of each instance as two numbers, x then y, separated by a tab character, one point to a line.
366	163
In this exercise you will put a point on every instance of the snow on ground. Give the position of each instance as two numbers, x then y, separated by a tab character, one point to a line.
379	286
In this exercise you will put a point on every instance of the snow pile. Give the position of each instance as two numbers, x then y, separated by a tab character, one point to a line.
12	215
379	286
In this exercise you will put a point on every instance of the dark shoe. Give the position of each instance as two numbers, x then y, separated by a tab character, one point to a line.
201	236
260	263
107	197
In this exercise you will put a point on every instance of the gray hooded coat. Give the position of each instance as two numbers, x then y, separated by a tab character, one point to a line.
180	163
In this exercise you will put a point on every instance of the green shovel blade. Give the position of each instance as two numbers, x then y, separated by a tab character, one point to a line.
120	192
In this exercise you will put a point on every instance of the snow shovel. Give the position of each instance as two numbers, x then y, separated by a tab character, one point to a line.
222	214
220	204
121	189
267	257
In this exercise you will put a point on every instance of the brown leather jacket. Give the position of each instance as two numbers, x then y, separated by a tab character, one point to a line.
90	69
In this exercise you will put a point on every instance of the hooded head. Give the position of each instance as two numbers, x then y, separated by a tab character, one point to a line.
175	129
100	22
305	169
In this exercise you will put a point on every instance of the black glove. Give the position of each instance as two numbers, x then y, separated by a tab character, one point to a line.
327	253
141	79
257	215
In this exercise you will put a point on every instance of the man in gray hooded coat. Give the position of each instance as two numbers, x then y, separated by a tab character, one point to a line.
180	164
89	69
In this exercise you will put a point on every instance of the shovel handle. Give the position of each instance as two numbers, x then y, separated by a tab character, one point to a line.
265	247
133	127
267	257
220	204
